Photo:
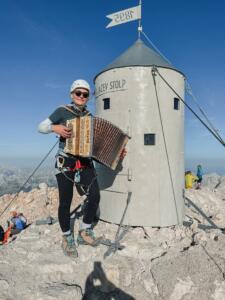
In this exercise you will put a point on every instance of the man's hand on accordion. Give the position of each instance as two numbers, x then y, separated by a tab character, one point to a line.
123	153
62	130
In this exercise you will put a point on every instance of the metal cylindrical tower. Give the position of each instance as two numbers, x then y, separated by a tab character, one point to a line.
152	115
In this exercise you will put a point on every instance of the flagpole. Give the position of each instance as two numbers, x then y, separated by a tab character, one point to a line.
139	22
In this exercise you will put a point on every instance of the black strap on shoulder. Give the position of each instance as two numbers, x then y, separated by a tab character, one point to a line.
86	112
69	109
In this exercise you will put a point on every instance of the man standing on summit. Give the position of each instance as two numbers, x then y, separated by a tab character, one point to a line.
74	170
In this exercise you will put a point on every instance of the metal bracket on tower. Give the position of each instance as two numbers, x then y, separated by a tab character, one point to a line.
114	246
129	174
140	28
139	22
154	71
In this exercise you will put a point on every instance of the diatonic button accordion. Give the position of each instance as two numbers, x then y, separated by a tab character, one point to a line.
97	138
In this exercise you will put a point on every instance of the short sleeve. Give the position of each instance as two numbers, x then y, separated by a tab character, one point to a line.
56	116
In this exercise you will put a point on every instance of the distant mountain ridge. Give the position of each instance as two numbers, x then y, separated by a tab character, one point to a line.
11	179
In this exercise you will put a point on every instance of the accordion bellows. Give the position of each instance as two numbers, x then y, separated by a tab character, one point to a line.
97	138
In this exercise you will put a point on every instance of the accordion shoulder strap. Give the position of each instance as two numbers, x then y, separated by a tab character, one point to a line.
69	109
73	112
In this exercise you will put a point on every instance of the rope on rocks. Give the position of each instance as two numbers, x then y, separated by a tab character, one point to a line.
214	261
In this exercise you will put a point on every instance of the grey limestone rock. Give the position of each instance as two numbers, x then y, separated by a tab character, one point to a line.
177	263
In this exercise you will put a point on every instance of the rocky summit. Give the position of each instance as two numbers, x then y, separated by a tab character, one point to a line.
183	262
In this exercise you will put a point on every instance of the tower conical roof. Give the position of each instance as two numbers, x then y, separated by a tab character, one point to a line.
139	55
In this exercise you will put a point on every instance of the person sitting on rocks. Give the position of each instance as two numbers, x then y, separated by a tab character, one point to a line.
199	175
23	219
190	179
2	233
7	234
18	222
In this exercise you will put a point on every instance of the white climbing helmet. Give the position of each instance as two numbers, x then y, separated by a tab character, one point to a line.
80	83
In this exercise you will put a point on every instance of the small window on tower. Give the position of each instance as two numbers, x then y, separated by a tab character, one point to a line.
176	104
149	139
106	102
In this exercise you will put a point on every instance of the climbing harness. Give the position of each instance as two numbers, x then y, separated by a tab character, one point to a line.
85	188
69	164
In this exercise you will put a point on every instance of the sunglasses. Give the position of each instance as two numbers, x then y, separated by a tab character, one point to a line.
79	93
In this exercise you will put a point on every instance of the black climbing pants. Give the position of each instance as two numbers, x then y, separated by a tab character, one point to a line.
88	185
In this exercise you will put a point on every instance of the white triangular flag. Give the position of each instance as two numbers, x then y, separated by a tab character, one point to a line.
124	16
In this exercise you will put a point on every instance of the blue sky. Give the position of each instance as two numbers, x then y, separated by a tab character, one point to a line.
46	44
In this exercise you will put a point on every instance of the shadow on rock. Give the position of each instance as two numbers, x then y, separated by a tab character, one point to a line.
98	287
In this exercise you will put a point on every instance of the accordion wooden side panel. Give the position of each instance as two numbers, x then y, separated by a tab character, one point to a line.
81	141
97	138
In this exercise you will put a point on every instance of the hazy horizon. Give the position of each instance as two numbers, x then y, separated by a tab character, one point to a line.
210	165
